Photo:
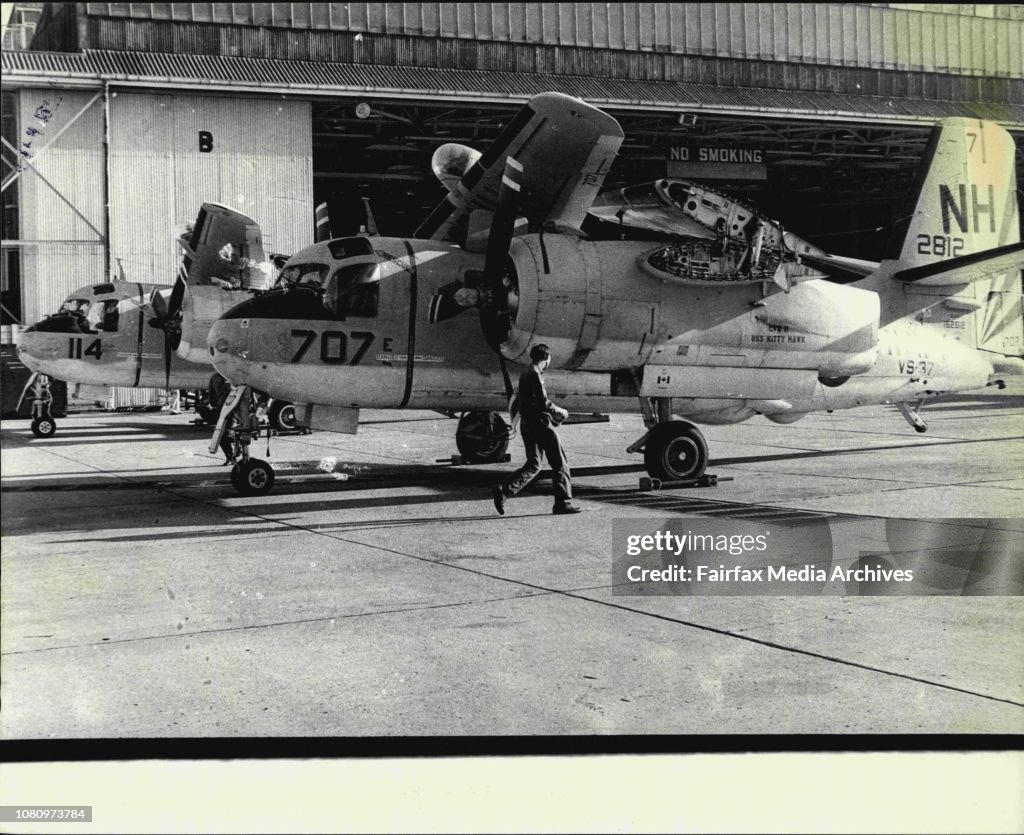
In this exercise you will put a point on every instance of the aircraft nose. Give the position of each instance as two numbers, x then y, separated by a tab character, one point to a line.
37	351
229	348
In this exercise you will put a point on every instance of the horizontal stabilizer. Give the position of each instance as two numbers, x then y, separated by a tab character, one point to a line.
966	268
838	267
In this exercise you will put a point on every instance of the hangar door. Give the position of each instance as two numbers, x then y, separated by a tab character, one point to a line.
171	153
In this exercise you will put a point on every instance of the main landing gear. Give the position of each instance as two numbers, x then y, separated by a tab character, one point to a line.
482	437
674	450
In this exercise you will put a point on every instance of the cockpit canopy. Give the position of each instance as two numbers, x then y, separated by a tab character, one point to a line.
80	314
353	290
349	288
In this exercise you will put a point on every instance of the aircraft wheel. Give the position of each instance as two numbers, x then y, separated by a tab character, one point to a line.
282	415
252	477
676	451
482	437
44	427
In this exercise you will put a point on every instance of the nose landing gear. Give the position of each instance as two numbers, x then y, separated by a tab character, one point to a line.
37	389
237	427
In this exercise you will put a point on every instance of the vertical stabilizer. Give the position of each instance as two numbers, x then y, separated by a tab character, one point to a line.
965	199
955	254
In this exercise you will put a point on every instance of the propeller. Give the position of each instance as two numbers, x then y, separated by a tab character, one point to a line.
486	290
169	319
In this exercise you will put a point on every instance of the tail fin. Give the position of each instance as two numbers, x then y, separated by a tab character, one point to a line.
956	254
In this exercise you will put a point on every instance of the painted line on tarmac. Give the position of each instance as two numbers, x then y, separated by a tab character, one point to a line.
543	591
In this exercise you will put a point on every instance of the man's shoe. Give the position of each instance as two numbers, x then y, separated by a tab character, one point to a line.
499	499
563	509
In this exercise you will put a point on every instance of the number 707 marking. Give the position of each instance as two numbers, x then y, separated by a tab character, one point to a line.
333	345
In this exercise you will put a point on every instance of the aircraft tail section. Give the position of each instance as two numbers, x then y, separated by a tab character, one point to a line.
954	261
965	199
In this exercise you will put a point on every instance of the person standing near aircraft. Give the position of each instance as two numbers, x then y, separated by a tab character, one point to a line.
538	418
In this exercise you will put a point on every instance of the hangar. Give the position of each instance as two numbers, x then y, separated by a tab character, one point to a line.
119	119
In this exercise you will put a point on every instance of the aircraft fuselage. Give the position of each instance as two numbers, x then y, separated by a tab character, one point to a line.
359	336
103	336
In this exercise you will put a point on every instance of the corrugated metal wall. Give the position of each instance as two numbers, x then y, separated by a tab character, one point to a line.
260	163
844	34
60	202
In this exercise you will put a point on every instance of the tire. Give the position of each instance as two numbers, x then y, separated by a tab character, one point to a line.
281	416
252	477
44	427
676	451
482	437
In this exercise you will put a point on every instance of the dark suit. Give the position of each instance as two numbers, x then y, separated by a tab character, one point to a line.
540	439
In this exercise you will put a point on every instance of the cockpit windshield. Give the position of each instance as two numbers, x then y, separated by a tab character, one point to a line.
75	306
302	275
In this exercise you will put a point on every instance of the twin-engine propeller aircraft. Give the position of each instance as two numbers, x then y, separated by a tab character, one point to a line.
725	317
136	335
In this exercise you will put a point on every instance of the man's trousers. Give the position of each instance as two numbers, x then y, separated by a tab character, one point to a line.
541	440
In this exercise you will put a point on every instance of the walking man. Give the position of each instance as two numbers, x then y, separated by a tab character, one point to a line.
538	418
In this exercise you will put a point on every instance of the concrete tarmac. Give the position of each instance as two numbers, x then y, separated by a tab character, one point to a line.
375	592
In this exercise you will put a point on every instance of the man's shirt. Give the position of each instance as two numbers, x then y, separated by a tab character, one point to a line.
533	398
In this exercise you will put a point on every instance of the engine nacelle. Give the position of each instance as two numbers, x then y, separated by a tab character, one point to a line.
586	300
599	309
202	306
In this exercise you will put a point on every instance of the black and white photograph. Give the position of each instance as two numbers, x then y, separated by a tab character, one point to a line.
442	380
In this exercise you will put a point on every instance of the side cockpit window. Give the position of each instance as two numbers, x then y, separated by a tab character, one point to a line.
354	290
103	316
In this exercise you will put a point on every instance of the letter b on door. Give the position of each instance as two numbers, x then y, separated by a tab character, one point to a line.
205	142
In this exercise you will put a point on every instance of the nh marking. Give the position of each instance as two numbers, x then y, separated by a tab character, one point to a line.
966	209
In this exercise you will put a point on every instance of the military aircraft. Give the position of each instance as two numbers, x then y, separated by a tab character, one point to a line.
137	335
725	317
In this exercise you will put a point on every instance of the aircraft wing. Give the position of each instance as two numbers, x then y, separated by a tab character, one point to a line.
565	147
225	247
967	268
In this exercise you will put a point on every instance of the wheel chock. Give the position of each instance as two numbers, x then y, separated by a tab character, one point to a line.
458	459
648	483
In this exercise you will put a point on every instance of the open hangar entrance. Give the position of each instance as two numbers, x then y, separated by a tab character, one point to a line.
838	184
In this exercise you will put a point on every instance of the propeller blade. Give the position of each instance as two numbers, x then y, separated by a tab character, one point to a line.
322	221
450	301
172	323
503	224
443	307
371	222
